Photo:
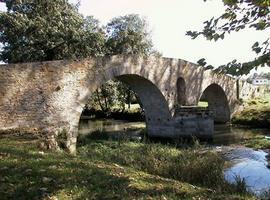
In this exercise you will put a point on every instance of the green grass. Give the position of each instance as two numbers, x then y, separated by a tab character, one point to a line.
203	104
259	142
187	165
256	113
106	169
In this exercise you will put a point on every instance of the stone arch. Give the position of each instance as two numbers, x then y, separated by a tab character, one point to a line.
181	91
153	103
217	103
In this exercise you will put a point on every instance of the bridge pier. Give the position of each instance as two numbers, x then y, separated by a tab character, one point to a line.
71	144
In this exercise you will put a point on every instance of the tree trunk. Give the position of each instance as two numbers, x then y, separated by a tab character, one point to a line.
99	101
128	98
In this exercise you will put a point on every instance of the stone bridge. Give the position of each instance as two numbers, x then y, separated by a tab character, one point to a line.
49	97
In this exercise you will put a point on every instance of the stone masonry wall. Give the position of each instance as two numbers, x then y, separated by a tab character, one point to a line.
49	96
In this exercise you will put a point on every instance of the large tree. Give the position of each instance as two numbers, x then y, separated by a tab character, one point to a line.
128	34
39	30
239	15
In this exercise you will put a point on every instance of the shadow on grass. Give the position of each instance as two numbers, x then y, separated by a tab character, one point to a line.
26	173
24	176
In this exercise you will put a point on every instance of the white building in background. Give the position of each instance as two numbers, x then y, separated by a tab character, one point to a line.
260	81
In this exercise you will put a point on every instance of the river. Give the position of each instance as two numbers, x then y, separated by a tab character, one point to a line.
251	165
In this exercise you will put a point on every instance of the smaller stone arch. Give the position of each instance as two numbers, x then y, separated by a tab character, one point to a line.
181	91
217	103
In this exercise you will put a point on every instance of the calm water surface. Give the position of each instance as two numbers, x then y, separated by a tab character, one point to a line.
250	165
246	163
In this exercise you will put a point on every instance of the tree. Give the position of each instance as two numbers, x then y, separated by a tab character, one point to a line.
239	15
39	30
128	35
104	98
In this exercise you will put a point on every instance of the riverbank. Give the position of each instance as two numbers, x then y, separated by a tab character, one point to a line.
134	114
255	113
109	169
258	142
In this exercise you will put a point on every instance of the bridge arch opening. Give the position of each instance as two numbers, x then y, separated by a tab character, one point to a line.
151	100
215	99
181	91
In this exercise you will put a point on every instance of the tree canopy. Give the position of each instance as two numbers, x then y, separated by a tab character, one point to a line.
128	34
239	15
41	30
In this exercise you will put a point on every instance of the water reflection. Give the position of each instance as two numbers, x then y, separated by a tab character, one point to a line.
249	165
108	125
227	135
224	135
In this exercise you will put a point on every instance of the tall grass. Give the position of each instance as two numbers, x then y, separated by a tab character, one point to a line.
195	165
112	169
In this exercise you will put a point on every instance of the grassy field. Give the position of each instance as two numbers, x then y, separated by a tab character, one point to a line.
107	169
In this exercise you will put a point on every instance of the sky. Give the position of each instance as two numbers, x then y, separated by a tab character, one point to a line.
169	20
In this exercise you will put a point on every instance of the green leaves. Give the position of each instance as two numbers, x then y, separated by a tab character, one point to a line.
128	35
230	2
53	29
201	62
256	47
47	30
239	15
